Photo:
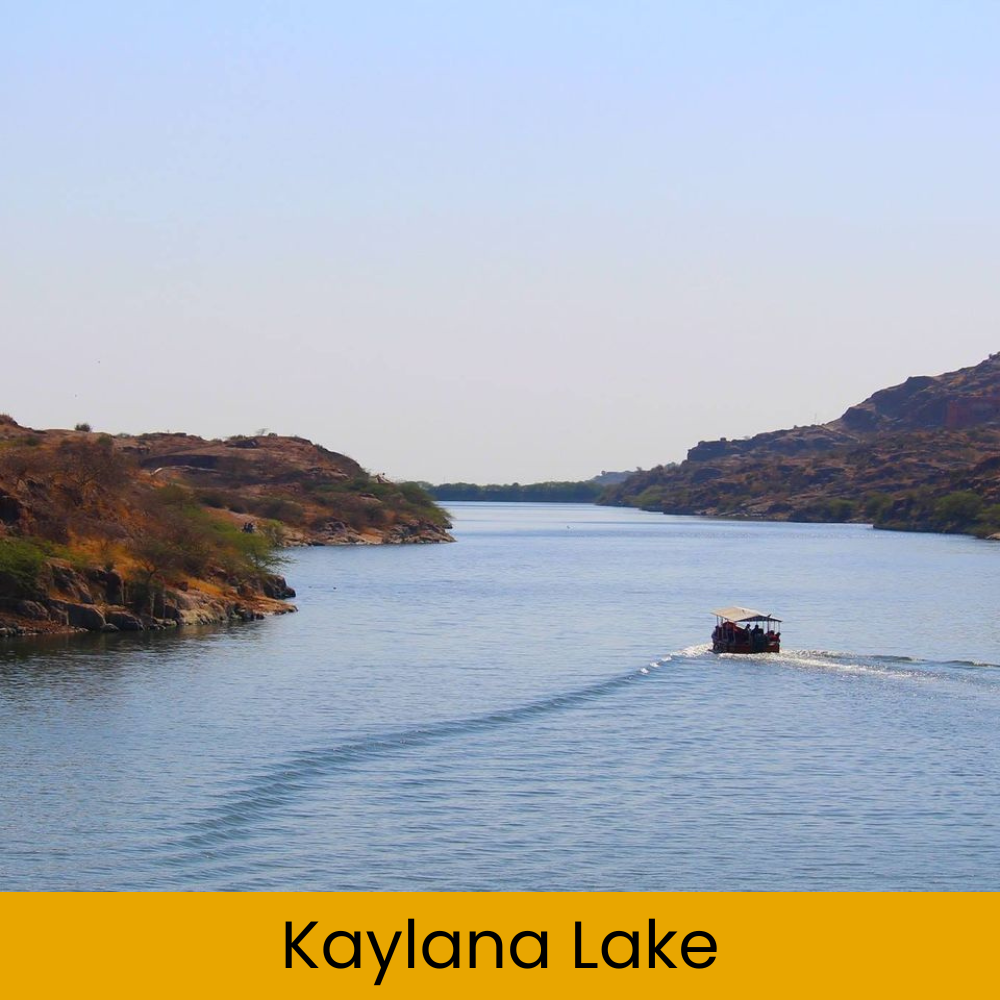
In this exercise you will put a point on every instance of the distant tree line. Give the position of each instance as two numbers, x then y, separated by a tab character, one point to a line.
552	492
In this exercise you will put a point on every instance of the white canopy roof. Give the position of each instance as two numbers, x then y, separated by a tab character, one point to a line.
738	614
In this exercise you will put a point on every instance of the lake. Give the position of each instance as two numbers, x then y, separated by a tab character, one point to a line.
532	708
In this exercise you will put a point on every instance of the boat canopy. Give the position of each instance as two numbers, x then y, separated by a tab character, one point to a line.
737	614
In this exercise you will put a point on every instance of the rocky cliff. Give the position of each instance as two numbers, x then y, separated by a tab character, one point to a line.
922	455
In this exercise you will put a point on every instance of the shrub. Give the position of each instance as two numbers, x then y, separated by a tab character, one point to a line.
415	493
828	510
989	520
280	509
184	538
212	498
376	516
82	427
90	467
876	505
650	498
259	551
21	563
959	508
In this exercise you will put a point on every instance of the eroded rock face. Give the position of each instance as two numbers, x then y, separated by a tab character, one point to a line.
71	583
97	606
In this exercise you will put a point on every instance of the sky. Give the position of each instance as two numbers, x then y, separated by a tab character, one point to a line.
492	241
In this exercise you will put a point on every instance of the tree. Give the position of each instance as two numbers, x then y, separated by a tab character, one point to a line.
959	508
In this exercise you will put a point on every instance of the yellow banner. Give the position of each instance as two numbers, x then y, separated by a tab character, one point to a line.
484	945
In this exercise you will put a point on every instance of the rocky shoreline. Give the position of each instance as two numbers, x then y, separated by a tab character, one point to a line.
94	600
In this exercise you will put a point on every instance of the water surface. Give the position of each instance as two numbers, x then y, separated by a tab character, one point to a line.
531	708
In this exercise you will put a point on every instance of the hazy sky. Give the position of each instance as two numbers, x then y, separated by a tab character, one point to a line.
492	241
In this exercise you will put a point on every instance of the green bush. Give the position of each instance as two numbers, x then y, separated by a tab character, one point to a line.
829	510
989	520
876	505
961	508
183	537
650	498
414	493
259	551
21	563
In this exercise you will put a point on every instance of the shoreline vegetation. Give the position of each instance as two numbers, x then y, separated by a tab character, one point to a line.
104	533
554	491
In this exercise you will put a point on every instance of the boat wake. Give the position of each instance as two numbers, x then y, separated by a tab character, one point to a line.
241	807
208	838
877	664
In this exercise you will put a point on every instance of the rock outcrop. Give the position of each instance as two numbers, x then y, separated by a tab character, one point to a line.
94	601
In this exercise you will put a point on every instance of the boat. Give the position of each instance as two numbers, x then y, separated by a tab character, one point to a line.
743	630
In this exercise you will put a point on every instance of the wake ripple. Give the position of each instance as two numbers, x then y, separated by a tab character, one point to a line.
878	664
208	837
278	785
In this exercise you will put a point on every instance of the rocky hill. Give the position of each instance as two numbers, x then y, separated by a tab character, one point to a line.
158	530
922	455
319	497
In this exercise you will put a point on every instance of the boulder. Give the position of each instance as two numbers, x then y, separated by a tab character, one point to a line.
110	582
124	621
78	615
26	609
276	587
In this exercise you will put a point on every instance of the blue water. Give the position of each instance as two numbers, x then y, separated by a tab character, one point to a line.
532	708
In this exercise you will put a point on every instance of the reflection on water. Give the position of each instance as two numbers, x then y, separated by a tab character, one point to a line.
532	708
